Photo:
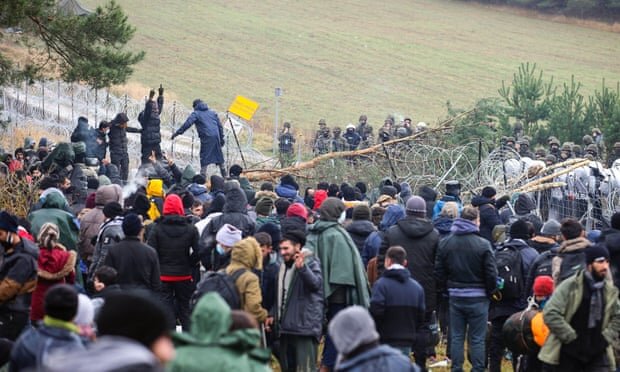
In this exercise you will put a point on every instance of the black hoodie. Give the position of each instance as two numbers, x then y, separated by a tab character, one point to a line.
359	231
420	240
429	195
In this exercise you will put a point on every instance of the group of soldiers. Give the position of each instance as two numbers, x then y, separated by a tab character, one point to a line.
354	137
592	148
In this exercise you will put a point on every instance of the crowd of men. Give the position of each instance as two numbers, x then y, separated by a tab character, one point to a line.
185	273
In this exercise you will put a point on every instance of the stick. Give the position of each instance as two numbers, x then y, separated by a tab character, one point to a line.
236	140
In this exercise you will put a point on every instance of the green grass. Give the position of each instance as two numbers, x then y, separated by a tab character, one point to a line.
338	60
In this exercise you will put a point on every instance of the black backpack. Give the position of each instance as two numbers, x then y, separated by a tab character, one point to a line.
510	268
545	265
221	283
571	263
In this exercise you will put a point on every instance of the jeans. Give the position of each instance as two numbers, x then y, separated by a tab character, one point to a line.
329	351
176	296
468	313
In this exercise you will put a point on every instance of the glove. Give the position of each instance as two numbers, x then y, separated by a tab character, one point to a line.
161	90
151	93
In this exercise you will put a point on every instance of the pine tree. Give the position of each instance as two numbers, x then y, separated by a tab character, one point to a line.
87	48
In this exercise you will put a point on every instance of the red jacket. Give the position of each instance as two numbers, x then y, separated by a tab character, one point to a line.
54	266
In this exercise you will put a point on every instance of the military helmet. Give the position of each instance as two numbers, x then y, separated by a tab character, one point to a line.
336	130
541	152
510	139
596	130
592	148
551	158
576	148
524	141
322	122
287	125
587	139
567	146
551	138
554	141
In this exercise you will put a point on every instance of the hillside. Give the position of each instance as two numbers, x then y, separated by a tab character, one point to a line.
338	60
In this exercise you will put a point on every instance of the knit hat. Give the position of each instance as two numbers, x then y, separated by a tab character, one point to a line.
8	222
61	302
361	212
297	210
264	206
92	183
173	205
235	170
104	180
551	228
132	224
593	236
48	235
274	232
228	235
85	311
543	286
361	186
112	209
488	192
282	205
331	209
351	328
416	204
133	314
90	201
595	252
519	230
348	193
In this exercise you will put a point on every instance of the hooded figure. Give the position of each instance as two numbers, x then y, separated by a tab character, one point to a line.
83	133
118	143
53	211
246	255
211	135
149	119
211	346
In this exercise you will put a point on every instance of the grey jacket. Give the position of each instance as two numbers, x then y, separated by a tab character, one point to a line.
302	310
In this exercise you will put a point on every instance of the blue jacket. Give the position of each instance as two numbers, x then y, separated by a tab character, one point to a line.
446	198
289	192
210	132
34	345
397	305
382	358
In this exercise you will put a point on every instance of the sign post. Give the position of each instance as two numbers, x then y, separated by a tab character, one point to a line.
245	109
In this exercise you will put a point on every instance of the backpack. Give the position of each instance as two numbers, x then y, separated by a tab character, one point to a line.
221	283
517	332
545	265
571	263
510	269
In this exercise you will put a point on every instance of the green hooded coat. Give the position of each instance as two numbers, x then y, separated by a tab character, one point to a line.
341	263
53	210
211	347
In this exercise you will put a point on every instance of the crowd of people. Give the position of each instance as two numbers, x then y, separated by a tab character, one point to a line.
174	271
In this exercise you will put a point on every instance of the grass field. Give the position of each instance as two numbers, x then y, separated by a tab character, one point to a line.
337	60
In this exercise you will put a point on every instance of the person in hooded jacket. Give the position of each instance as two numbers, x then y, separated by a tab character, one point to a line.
504	308
361	226
546	244
212	346
84	133
53	211
357	342
416	234
91	221
234	213
391	216
246	255
489	217
296	218
18	277
289	189
344	278
448	214
175	240
118	143
211	135
150	137
55	265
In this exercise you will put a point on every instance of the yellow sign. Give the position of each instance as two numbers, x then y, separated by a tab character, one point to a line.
243	107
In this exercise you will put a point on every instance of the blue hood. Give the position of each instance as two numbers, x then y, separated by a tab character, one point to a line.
202	107
443	225
462	226
393	214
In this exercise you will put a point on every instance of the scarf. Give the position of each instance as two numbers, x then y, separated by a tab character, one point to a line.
285	277
596	300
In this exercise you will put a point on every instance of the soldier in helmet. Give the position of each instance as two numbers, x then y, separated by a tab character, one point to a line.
615	155
352	137
286	143
510	142
338	143
386	132
407	127
592	150
321	139
566	151
587	140
365	131
577	151
554	147
540	153
550	160
524	149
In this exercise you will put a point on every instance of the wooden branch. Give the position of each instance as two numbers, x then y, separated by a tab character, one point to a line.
552	176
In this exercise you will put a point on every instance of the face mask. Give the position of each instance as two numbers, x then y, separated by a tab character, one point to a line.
219	249
342	217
